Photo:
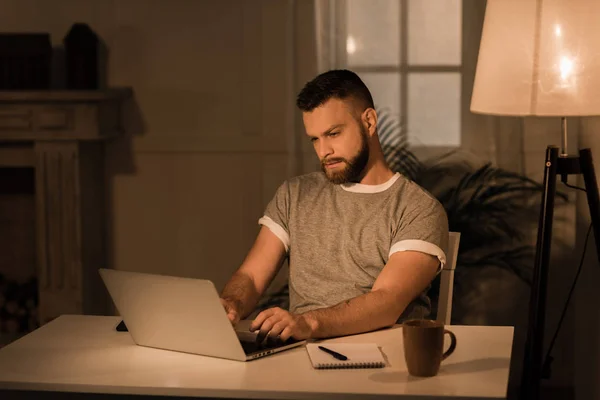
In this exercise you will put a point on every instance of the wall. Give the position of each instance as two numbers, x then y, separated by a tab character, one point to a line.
216	82
212	130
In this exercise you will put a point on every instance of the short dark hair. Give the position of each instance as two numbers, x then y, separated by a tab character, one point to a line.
339	83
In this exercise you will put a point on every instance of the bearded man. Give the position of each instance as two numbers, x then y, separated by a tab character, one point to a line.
363	242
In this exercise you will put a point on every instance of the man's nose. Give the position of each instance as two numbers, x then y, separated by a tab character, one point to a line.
323	149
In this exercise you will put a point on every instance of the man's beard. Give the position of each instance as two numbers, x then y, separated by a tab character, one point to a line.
354	169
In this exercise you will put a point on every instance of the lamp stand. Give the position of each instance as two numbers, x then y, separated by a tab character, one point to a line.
534	344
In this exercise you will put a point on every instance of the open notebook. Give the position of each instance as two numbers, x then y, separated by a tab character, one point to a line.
360	355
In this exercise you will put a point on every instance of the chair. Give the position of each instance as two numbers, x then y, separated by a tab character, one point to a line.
444	310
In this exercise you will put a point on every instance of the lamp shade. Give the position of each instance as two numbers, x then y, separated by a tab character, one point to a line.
539	57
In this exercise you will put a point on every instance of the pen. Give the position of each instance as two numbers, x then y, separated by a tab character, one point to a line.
334	353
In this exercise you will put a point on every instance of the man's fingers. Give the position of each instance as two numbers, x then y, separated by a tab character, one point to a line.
260	319
275	331
266	327
286	333
232	313
233	317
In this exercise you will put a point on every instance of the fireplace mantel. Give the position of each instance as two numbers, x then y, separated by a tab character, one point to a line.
62	135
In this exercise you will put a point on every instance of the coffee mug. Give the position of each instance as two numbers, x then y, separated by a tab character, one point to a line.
424	346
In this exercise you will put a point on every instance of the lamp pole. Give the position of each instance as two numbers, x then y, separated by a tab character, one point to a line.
563	165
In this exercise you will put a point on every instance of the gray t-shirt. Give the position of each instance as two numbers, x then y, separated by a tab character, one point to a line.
339	237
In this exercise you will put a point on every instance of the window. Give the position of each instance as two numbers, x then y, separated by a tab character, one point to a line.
408	52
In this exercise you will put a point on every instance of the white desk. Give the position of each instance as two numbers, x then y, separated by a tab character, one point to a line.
76	353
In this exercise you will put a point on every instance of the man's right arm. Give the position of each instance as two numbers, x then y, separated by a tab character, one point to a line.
251	280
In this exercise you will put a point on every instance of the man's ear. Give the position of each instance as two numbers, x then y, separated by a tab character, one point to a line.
369	119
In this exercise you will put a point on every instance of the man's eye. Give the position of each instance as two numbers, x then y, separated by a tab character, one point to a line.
312	140
334	134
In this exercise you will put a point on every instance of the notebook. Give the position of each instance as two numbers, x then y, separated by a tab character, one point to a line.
360	355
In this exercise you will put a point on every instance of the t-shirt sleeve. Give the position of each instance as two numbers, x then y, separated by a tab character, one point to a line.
277	214
423	227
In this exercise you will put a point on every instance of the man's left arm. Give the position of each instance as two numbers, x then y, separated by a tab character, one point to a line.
406	275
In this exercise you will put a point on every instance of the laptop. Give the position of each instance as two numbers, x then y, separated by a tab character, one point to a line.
183	314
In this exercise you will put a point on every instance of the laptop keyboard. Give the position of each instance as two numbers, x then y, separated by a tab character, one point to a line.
253	346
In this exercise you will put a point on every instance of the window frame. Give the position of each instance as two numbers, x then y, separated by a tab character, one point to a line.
338	23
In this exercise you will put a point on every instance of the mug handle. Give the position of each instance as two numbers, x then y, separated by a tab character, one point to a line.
452	344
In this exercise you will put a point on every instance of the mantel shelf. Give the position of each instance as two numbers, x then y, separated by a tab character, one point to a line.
61	115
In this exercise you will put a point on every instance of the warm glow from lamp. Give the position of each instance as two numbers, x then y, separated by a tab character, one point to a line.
350	45
539	57
566	67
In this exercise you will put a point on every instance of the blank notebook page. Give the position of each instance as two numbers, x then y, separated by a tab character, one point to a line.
360	355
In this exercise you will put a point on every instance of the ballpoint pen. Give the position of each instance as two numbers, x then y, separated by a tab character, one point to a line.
333	353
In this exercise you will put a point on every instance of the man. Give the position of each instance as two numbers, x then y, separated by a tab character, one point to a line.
364	243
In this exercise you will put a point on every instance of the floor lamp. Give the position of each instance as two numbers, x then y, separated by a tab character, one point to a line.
542	58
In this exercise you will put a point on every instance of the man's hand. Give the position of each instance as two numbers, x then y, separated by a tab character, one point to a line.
278	324
232	312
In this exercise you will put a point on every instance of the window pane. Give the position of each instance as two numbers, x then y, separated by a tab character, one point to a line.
434	109
373	28
385	89
434	32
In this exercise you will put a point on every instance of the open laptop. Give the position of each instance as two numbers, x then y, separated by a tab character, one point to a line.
183	314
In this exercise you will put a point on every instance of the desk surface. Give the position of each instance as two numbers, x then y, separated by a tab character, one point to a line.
75	353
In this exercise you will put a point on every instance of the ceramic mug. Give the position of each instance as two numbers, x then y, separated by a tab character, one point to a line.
424	346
